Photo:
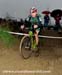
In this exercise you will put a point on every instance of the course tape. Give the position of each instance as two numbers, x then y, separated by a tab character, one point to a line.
48	37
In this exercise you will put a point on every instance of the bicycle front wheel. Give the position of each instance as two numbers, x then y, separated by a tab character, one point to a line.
25	47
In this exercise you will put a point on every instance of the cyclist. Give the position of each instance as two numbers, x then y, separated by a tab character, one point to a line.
35	23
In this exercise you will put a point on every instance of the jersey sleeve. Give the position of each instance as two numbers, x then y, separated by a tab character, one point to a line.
27	19
40	19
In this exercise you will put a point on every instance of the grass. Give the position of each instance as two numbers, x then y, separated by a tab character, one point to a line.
7	38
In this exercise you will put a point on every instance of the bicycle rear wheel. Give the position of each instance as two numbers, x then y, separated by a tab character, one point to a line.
25	47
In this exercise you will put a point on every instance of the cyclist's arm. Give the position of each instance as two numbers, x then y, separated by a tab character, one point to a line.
40	21
26	23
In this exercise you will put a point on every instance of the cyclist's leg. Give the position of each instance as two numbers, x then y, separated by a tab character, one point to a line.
37	41
36	35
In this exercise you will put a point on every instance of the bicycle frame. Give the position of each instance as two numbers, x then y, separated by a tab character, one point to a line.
33	43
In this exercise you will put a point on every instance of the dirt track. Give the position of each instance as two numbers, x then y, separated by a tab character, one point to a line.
50	59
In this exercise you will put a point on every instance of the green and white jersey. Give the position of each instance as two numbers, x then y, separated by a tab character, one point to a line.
34	20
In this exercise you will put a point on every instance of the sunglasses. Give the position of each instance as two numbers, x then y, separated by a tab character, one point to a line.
34	11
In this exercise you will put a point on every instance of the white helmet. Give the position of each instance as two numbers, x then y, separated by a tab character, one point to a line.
33	9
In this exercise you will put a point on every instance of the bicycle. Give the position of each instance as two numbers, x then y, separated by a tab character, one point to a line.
27	45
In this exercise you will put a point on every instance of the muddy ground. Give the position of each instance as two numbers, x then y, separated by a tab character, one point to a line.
50	59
